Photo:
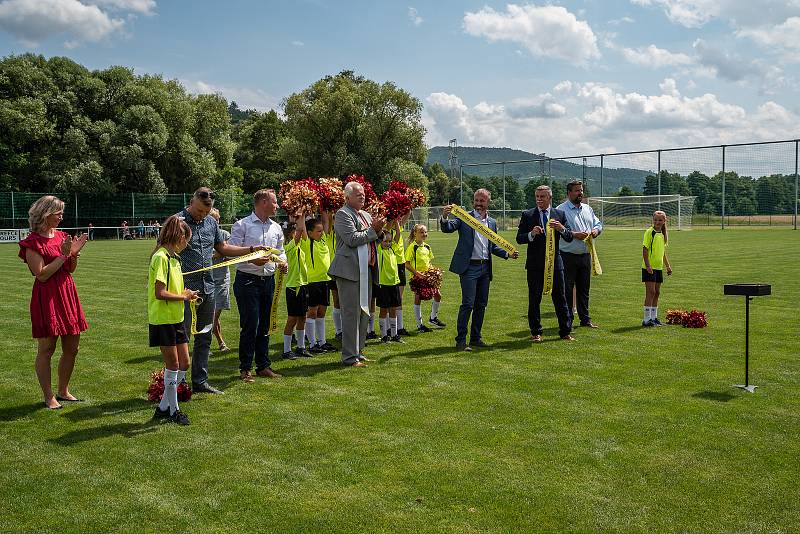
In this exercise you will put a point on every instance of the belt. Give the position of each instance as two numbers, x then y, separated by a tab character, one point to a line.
250	275
478	262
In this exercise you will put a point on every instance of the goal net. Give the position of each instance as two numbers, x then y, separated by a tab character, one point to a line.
637	211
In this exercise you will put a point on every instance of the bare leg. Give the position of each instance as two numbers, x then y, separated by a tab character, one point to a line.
69	351
47	346
217	329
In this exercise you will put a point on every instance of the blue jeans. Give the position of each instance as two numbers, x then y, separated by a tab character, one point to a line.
474	298
254	301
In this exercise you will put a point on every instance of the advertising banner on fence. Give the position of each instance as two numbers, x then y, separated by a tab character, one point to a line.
13	236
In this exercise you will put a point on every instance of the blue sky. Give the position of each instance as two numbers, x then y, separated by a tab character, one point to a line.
564	78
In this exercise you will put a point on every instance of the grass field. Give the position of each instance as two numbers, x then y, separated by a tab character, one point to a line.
625	429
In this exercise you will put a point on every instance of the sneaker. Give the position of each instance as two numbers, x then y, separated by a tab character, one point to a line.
386	339
317	349
327	347
648	323
437	322
161	414
403	332
302	353
397	339
423	328
179	418
372	335
289	355
656	322
338	337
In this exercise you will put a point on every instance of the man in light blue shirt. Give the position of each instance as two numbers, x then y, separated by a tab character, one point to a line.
575	254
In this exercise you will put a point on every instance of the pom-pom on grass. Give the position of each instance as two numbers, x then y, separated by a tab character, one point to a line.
676	316
156	388
299	196
426	284
331	194
689	319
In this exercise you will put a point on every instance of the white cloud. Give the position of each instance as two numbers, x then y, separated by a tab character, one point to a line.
783	36
542	106
545	31
625	20
33	21
564	86
298	43
738	13
654	57
413	16
245	97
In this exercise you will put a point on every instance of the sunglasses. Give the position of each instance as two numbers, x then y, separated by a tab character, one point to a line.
205	195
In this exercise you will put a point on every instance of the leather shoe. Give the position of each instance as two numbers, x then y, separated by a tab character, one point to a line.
536	339
363	358
206	388
269	373
590	325
481	344
568	338
463	347
246	377
358	363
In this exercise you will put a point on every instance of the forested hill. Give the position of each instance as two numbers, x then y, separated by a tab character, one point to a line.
613	179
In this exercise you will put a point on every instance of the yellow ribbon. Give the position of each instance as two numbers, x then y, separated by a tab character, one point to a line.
549	259
276	298
485	231
193	307
596	269
258	254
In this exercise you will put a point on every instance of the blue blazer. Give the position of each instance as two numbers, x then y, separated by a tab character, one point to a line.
466	242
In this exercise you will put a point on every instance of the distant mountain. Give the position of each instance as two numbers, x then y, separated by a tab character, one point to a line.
613	179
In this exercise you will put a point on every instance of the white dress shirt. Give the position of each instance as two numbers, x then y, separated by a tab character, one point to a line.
546	212
252	231
581	218
480	248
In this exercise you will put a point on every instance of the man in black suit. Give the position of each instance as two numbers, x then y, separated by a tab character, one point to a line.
531	231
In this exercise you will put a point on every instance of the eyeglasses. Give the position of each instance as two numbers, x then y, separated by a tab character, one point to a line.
205	195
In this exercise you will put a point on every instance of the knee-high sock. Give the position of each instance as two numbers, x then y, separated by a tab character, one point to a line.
337	320
301	339
399	318
418	313
384	328
371	323
393	325
319	324
311	327
287	343
435	309
171	390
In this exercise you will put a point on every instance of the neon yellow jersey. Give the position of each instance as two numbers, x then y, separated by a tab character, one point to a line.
166	269
298	272
318	257
654	242
420	256
397	246
388	272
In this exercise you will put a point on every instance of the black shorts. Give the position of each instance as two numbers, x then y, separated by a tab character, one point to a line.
657	276
332	285
318	294
297	301
401	270
167	335
387	296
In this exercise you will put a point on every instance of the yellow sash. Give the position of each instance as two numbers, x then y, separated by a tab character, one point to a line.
276	298
549	259
258	254
193	308
596	269
485	231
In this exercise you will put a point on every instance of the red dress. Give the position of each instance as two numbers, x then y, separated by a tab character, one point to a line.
55	307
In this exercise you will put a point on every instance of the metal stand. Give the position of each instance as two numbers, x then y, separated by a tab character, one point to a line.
747	386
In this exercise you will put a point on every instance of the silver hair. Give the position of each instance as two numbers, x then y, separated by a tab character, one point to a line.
350	187
545	188
483	192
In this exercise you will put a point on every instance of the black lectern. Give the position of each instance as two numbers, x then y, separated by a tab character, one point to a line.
748	291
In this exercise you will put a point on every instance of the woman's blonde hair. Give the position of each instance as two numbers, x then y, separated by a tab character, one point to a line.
413	234
41	210
173	230
663	228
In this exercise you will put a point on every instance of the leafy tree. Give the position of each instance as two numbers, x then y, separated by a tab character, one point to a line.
626	191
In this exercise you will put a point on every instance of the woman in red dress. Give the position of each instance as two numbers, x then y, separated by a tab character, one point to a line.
56	312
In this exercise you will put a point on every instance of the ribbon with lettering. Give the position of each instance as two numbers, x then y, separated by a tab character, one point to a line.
549	259
596	269
258	254
276	298
485	231
193	308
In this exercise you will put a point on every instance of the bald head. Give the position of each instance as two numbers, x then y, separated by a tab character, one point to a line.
354	195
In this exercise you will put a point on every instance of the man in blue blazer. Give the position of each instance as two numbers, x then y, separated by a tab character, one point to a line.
531	231
472	262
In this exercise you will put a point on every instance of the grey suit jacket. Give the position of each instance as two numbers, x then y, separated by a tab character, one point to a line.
351	232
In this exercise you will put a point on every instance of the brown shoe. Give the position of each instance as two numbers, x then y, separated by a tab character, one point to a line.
359	364
246	377
589	325
568	338
536	339
269	373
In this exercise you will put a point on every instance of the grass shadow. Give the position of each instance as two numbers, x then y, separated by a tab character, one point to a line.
718	396
128	430
13	413
312	370
134	404
626	329
155	357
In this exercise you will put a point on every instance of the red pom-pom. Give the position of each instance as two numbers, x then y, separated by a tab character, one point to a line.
369	192
398	185
299	196
676	316
427	283
331	194
156	388
397	203
417	197
695	319
376	209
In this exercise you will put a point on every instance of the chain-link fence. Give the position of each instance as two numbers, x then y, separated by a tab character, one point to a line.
749	184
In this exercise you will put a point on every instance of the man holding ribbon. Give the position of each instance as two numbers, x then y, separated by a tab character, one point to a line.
354	270
579	255
198	254
472	262
542	228
254	286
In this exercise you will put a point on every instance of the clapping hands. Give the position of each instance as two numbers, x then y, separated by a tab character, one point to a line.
72	247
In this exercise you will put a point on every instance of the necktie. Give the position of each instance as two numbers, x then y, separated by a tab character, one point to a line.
372	250
544	219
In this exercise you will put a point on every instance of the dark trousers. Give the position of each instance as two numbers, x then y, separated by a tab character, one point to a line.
474	298
254	301
535	288
577	274
202	342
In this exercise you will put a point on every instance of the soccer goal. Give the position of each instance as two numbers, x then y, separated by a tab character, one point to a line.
637	211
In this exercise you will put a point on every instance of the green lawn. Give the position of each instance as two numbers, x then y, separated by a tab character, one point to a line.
625	429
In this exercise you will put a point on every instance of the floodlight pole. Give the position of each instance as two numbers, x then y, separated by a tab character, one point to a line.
659	179
14	215
504	194
602	204
723	187
461	185
795	183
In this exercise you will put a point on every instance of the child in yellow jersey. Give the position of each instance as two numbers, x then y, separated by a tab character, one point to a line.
418	258
296	288
318	260
654	259
386	294
400	256
165	298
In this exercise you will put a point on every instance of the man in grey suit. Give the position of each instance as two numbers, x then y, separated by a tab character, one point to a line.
354	270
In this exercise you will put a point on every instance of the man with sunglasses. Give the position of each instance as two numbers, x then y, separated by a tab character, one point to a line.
206	238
